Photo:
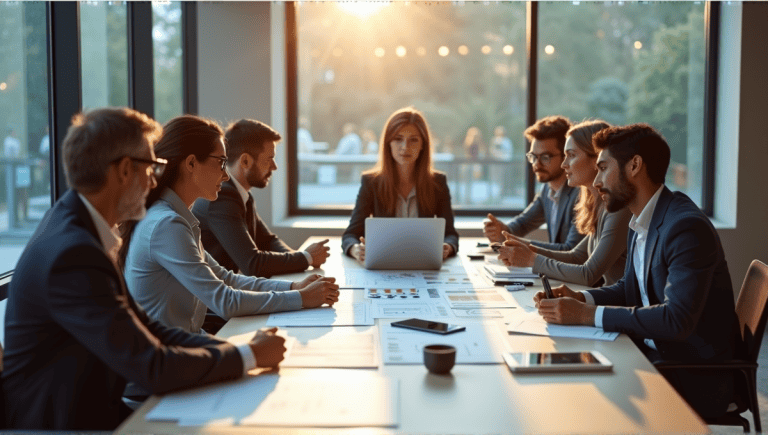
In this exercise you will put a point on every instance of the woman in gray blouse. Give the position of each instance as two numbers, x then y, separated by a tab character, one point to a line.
166	268
601	254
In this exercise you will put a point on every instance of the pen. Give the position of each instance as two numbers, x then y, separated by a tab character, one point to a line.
547	287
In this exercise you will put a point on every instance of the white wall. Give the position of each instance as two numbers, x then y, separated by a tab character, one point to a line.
236	80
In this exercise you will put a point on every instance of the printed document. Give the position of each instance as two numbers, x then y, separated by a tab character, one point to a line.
480	343
380	278
395	309
478	298
287	401
358	313
534	324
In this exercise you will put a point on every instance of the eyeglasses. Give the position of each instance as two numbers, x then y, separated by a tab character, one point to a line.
544	158
158	165
222	159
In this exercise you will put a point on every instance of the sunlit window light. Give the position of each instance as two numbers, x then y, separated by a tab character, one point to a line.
400	51
421	51
443	51
362	9
638	45
463	50
379	52
549	49
337	52
3	86
508	49
486	49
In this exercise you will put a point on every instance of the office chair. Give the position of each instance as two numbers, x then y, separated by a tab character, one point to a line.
752	314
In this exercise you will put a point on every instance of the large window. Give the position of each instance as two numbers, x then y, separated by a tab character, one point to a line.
464	64
166	49
104	53
24	168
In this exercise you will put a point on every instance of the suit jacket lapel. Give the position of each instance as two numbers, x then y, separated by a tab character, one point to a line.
631	278
562	205
653	235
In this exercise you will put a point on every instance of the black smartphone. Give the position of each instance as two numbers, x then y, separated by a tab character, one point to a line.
429	326
547	287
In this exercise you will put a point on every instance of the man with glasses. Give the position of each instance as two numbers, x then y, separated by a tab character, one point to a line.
231	229
73	334
554	203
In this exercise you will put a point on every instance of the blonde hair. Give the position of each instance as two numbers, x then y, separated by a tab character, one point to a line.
588	207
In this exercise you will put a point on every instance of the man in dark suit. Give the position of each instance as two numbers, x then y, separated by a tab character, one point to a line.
73	335
676	297
554	203
231	229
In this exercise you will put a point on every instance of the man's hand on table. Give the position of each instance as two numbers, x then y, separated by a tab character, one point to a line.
568	308
319	253
267	347
318	292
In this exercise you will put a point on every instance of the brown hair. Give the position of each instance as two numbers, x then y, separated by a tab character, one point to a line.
99	137
636	139
248	136
588	207
385	172
549	127
182	136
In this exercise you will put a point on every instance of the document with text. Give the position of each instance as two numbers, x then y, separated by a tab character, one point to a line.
532	323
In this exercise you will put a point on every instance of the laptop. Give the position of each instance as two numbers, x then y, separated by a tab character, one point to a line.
404	243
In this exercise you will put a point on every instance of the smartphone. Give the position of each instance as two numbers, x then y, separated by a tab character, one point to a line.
557	361
429	326
547	287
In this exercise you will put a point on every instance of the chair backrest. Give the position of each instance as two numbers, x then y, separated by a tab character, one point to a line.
751	308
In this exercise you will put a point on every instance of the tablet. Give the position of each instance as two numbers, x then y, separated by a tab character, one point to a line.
533	362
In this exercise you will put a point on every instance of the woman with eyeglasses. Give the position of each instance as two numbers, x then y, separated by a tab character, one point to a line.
603	252
402	184
166	268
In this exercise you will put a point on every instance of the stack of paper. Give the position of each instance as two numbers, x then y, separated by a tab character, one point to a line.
504	272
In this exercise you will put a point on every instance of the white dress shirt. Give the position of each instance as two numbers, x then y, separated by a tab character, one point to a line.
640	225
407	207
554	196
244	196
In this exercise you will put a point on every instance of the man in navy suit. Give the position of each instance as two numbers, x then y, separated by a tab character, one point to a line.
676	297
73	335
554	203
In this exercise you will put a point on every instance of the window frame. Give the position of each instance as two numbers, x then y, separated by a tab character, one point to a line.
712	35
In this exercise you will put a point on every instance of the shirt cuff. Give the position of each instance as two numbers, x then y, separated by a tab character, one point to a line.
589	299
599	317
249	360
308	256
282	285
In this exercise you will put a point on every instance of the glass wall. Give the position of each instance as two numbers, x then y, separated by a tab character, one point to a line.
104	53
629	62
166	45
462	64
24	169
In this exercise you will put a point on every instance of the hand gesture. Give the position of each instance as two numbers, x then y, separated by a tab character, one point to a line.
319	253
297	285
267	348
560	292
567	311
358	250
516	253
492	229
447	250
319	292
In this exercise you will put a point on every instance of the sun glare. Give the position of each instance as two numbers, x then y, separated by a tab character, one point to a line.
362	9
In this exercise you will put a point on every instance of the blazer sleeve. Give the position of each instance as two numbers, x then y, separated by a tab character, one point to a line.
445	210
227	223
266	240
173	247
530	219
690	255
85	298
363	208
578	265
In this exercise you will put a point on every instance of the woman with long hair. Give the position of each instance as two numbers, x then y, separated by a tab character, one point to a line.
166	268
604	252
402	184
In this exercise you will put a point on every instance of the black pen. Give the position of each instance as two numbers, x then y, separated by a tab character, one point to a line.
547	287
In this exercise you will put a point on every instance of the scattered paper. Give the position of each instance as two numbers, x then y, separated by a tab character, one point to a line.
395	309
477	298
358	313
535	325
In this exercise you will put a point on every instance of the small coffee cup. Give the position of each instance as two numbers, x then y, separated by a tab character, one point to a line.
439	358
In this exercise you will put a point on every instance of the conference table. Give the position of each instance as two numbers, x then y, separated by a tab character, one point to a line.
484	398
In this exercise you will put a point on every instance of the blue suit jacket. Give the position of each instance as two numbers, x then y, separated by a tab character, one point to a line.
691	316
566	236
73	334
368	203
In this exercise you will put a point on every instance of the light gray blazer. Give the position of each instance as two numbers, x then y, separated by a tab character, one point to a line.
603	253
175	280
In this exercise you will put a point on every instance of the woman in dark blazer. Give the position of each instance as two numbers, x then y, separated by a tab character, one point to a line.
402	184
